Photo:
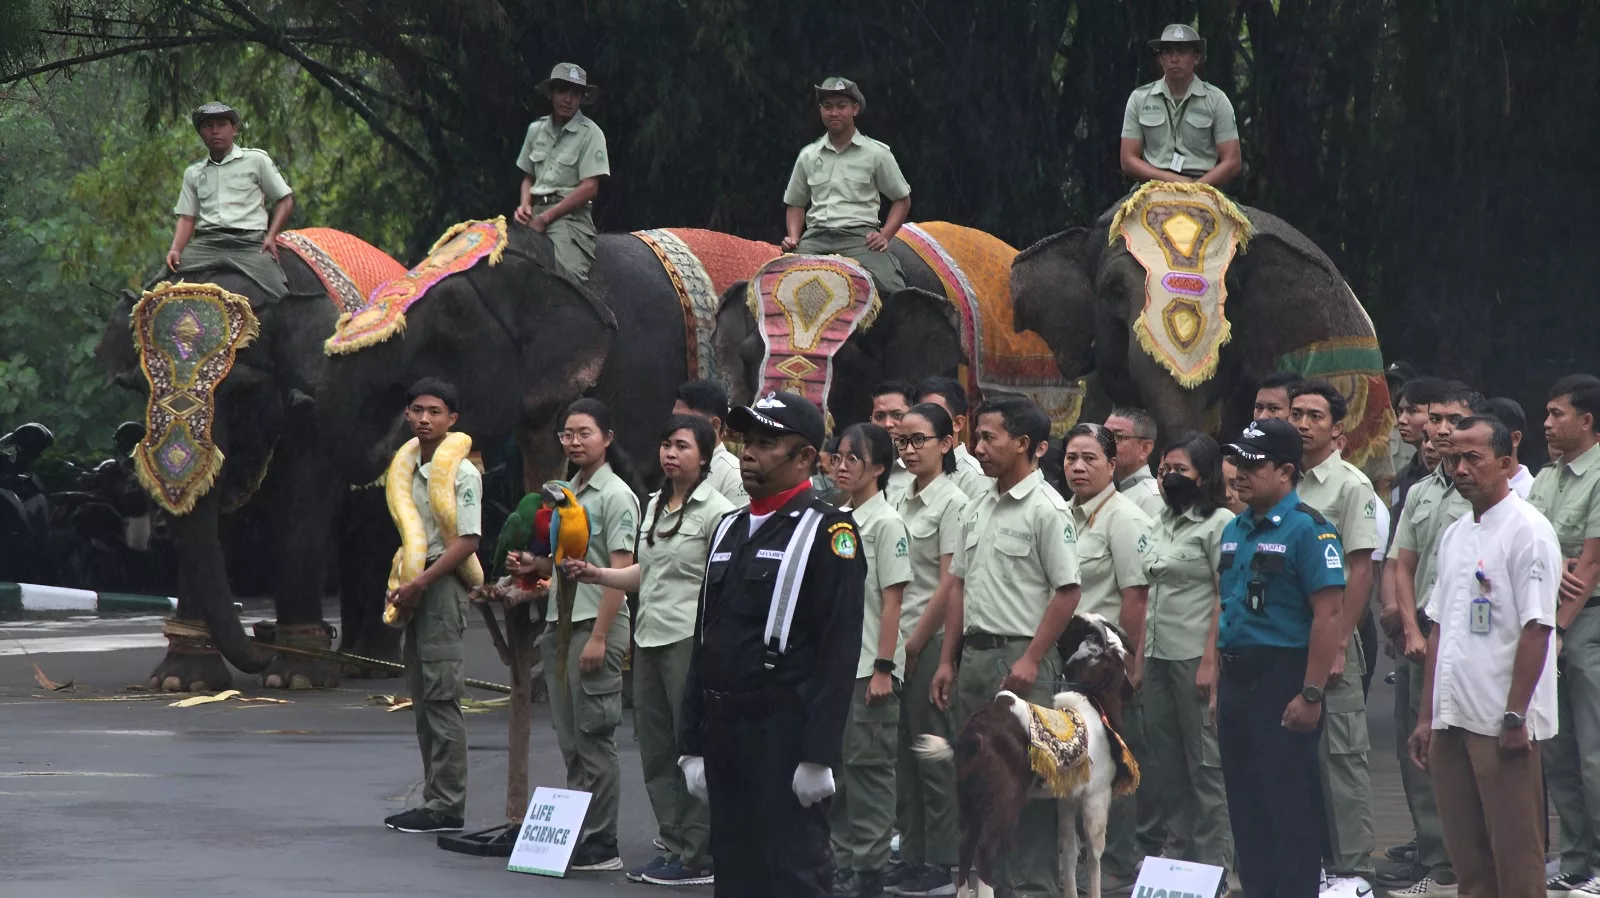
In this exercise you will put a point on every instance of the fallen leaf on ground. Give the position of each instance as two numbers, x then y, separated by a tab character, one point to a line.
204	699
46	682
476	706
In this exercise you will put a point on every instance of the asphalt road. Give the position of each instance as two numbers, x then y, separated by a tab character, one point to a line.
110	793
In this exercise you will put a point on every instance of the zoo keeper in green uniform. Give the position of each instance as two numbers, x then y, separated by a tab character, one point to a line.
1112	535
833	193
587	707
1015	588
1184	766
433	635
932	509
563	158
1179	128
1343	495
861	820
222	207
674	543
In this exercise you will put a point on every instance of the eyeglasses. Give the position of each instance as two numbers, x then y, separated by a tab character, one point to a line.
851	459
568	437
915	440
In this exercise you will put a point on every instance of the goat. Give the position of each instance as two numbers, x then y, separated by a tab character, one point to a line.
995	776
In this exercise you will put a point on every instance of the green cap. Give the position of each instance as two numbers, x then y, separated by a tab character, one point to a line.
571	73
214	110
838	85
1179	34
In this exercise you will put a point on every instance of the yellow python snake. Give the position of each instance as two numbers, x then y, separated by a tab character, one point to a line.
412	556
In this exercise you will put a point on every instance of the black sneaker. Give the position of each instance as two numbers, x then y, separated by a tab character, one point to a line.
1401	874
1565	882
930	881
422	820
637	874
1404	853
591	858
897	872
676	874
859	884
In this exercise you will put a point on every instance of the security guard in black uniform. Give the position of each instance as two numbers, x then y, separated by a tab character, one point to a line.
773	672
1281	580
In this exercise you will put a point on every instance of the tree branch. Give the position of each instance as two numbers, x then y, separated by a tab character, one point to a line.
124	50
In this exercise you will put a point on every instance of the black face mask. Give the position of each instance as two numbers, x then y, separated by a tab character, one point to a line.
1179	491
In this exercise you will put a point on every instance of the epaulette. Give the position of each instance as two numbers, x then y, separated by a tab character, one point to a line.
1315	515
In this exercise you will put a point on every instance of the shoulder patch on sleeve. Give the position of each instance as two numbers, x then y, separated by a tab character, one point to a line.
1330	557
1371	510
842	541
1315	515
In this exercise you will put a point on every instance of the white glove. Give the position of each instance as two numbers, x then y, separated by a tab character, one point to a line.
694	776
812	783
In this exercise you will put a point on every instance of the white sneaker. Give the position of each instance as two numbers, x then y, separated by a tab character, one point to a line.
1345	887
1427	887
1589	889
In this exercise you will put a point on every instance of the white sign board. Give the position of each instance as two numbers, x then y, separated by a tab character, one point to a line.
550	832
1162	877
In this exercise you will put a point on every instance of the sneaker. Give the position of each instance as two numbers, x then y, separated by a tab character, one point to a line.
1590	889
593	858
1427	887
422	820
1405	853
1401	875
676	874
896	873
1345	887
859	884
658	844
637	874
1565	882
931	881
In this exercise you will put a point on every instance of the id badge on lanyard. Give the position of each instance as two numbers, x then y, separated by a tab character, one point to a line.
1478	622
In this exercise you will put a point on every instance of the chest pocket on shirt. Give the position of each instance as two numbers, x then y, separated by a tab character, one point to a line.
206	184
1269	564
1183	561
1570	525
1197	117
755	589
923	527
1093	548
1153	116
1225	564
1013	546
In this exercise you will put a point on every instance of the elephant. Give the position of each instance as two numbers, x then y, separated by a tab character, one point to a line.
1082	293
265	428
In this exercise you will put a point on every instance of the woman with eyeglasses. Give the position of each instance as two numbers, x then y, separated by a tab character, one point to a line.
932	509
1112	532
1184	769
862	817
673	544
586	703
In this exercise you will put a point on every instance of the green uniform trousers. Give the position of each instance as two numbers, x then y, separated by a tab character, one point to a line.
1034	867
1182	767
238	251
1134	828
435	680
1346	780
1418	784
1572	757
861	818
573	237
586	711
884	267
659	675
925	790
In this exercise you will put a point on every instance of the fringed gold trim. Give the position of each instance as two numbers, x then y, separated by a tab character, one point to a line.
1129	784
1224	205
501	236
1207	369
752	299
1060	781
874	306
152	486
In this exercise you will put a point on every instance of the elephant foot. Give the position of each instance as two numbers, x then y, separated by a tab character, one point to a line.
384	646
192	663
295	671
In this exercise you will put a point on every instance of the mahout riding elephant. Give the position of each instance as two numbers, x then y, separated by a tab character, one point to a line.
263	419
1287	305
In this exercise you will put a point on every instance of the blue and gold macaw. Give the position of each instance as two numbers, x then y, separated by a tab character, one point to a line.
567	536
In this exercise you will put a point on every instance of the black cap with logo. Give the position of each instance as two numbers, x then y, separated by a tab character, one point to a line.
1270	439
781	413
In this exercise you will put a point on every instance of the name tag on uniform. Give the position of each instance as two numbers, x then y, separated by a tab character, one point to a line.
720	556
1230	547
772	554
1480	616
1177	162
1278	548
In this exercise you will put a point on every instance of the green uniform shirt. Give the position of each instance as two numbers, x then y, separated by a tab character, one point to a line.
613	527
933	518
887	548
1181	563
469	504
969	474
901	481
841	190
671	571
1432	504
1191	127
1112	535
1017	548
1569	496
558	158
233	193
1344	495
1142	487
725	478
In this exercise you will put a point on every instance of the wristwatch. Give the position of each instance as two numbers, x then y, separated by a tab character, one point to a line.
883	665
1513	720
1312	694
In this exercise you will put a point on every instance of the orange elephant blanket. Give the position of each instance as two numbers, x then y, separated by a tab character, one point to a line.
350	268
702	264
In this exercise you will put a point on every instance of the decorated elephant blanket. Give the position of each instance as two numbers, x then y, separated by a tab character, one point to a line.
975	271
806	308
350	268
187	336
384	313
1185	236
1355	366
702	264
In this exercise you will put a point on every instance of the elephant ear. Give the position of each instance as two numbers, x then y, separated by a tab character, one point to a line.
1053	295
737	345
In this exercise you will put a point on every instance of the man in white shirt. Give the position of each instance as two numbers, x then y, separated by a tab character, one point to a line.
1489	682
1510	412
